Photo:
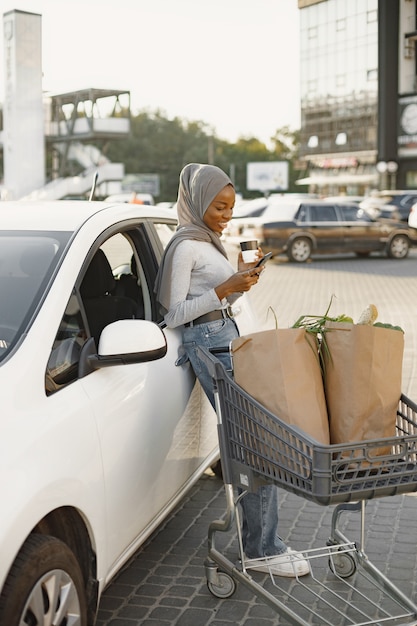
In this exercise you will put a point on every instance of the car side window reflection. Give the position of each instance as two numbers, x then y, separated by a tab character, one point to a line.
350	214
63	362
302	214
323	213
109	291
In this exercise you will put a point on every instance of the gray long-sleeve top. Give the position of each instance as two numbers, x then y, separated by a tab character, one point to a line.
197	269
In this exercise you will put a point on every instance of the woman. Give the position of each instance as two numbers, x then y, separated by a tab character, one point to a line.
196	286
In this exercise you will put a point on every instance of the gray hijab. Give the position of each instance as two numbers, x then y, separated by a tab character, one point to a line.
198	186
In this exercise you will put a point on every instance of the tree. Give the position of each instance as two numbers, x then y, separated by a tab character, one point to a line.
163	146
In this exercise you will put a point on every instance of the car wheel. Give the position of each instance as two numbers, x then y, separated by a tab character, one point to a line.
45	586
299	250
398	247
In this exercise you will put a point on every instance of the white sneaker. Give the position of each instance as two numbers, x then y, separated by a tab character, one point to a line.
289	564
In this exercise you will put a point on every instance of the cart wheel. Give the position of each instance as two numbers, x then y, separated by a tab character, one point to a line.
225	589
343	565
216	468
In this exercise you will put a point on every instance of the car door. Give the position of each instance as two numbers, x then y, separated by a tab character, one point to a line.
362	233
157	431
324	225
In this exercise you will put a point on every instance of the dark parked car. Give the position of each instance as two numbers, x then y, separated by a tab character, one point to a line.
318	227
394	204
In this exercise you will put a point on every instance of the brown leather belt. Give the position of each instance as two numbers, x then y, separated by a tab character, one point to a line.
211	317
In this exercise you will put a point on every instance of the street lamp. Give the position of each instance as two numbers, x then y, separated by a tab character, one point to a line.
388	171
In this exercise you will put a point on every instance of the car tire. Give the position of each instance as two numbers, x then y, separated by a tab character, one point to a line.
398	247
300	250
44	585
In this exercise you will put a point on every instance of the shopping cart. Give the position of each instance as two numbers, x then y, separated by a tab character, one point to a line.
257	448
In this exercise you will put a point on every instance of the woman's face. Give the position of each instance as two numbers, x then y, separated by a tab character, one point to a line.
220	211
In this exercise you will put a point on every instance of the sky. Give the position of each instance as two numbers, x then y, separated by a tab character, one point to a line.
232	64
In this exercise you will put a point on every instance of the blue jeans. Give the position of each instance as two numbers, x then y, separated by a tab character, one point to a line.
260	509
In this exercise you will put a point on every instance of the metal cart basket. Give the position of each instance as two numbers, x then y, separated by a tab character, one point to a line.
257	448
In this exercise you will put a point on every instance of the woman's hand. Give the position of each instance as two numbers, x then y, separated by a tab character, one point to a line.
240	281
241	265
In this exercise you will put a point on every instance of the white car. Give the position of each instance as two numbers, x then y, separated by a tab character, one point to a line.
132	197
101	434
412	218
249	217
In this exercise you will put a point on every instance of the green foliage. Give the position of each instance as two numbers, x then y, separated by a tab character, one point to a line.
162	146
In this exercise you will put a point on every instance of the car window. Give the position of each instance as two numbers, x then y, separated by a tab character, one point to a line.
407	201
351	213
302	214
323	213
363	215
118	251
110	290
62	367
27	262
165	232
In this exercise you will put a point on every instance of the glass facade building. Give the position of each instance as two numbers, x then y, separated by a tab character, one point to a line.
339	94
358	95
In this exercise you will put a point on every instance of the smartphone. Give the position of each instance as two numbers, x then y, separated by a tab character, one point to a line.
264	259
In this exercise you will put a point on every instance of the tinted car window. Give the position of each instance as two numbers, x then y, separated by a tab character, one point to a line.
351	213
63	362
323	213
302	215
111	289
27	262
402	201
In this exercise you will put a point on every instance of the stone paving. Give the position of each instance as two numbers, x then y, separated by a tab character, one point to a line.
165	583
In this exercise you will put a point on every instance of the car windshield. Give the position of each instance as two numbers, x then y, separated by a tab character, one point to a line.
27	262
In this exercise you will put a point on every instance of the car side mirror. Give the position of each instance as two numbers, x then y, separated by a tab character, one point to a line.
121	343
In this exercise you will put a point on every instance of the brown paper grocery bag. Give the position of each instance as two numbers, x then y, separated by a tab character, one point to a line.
280	369
363	379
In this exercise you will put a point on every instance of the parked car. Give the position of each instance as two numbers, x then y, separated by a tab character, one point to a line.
101	434
248	215
348	199
131	197
412	218
257	206
318	227
394	204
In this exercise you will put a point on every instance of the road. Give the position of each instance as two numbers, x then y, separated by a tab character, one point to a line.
292	290
165	582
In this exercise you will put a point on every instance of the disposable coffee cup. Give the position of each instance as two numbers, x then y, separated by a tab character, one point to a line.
249	251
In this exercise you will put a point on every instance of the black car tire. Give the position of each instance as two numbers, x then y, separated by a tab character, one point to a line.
299	250
44	583
398	247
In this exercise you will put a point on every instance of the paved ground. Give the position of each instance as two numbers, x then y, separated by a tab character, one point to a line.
165	583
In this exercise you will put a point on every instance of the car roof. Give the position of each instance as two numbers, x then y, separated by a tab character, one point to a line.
398	192
69	215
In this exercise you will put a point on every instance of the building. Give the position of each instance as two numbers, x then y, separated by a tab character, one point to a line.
358	95
69	125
